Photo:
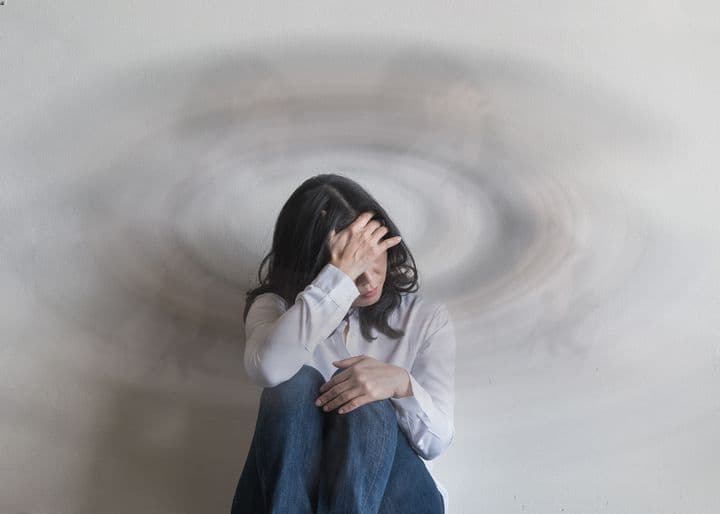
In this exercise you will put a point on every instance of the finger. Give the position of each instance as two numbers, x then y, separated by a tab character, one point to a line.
341	400
333	393
378	233
327	385
355	403
372	223
371	229
335	380
363	219
380	229
390	242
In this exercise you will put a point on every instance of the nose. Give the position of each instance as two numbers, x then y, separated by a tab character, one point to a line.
365	284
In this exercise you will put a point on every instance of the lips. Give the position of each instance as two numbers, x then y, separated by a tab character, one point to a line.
370	293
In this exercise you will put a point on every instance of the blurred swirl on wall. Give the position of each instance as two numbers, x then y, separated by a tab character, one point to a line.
138	207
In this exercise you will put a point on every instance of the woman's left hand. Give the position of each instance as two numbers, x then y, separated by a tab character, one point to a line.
365	380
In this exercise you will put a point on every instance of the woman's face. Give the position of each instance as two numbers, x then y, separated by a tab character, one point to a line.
371	281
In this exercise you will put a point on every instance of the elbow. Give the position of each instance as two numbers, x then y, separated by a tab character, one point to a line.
269	363
262	380
261	375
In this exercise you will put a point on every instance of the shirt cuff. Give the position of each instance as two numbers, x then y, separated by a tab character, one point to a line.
419	404
338	285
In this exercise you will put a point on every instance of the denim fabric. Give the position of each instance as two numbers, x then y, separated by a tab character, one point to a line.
303	460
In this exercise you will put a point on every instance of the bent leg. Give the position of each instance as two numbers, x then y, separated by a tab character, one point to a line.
357	456
410	488
286	449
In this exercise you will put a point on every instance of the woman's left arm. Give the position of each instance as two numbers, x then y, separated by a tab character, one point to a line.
427	415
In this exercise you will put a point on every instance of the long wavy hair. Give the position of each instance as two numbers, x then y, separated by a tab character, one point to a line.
299	248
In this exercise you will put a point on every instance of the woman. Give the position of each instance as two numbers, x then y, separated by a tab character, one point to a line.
357	367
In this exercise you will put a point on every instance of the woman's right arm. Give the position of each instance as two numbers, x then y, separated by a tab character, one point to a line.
278	341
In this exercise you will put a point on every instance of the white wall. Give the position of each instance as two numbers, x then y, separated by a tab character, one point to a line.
553	168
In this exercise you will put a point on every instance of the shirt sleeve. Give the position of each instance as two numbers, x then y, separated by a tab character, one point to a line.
279	340
427	416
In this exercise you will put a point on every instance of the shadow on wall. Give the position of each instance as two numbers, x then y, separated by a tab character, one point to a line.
166	451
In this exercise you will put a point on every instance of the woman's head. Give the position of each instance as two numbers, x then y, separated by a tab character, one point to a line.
299	249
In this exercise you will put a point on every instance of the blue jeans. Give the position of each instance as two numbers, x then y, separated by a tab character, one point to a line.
305	460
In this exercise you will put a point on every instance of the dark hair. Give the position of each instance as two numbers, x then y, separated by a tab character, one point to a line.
299	248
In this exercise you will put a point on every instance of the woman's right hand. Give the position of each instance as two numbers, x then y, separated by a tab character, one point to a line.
355	248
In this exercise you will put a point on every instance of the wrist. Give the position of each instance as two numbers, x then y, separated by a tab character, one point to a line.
343	269
404	388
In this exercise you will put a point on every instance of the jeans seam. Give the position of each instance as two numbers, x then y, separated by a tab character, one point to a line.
371	488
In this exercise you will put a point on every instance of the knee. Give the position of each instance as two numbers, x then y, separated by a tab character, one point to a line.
379	411
306	375
305	383
375	417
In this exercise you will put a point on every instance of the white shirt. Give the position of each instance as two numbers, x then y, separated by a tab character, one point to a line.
280	340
